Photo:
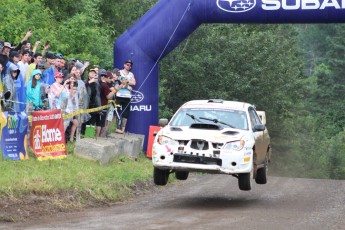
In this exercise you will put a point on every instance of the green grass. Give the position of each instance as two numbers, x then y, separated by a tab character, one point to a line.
112	182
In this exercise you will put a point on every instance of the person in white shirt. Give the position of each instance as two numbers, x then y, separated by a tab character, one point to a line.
25	62
124	94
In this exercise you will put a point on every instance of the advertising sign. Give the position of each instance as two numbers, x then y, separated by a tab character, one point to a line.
47	136
14	126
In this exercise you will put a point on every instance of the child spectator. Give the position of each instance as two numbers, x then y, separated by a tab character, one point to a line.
33	90
57	92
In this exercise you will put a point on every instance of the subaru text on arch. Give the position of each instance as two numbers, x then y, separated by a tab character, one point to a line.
213	136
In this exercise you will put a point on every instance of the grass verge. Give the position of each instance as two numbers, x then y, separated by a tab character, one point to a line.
30	187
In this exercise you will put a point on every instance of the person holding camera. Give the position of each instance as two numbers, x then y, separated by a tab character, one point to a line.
124	94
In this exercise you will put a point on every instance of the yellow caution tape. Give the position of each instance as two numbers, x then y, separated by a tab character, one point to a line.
66	116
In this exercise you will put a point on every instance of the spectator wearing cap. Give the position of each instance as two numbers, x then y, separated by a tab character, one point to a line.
59	62
10	88
48	76
72	60
57	92
40	67
105	94
95	68
33	65
6	49
124	94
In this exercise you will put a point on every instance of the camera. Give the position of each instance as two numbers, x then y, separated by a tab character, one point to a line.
122	78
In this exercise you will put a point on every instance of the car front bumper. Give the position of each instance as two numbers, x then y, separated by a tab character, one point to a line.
226	162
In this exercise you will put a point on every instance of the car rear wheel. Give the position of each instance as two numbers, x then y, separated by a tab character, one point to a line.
244	181
160	177
261	174
181	175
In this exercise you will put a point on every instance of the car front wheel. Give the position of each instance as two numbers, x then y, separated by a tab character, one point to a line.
160	177
244	181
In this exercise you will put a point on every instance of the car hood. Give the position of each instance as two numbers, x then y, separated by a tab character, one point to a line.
209	134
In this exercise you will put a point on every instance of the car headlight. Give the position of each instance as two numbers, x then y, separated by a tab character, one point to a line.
164	140
236	145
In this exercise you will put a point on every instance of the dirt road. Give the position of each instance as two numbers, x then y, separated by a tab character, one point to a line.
215	202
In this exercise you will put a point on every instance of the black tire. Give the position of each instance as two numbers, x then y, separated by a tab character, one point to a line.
160	177
244	181
261	174
181	175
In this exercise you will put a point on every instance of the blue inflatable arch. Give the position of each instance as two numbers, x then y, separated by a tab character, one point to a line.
169	22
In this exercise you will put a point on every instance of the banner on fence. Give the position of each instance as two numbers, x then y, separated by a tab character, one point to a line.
47	135
14	126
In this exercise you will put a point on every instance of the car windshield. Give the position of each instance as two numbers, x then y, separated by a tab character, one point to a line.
225	118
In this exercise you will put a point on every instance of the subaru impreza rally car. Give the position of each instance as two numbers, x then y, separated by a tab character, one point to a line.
213	136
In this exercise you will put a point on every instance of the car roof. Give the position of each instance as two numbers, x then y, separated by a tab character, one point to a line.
217	104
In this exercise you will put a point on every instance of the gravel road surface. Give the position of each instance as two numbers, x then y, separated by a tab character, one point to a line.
215	202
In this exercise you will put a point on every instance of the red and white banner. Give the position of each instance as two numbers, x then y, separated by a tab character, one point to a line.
47	136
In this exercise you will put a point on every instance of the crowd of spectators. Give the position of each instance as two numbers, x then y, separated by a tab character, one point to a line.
42	81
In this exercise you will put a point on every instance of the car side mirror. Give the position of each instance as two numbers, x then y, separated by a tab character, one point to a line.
262	116
163	122
259	127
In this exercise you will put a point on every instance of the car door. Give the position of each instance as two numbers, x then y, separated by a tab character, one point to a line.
260	143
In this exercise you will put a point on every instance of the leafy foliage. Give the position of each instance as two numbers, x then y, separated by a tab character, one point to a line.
252	63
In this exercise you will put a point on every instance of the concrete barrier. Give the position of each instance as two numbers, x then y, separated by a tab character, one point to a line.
105	149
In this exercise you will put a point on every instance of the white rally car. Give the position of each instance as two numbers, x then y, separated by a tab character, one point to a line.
213	136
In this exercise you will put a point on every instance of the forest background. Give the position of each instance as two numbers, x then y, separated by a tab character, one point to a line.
293	72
